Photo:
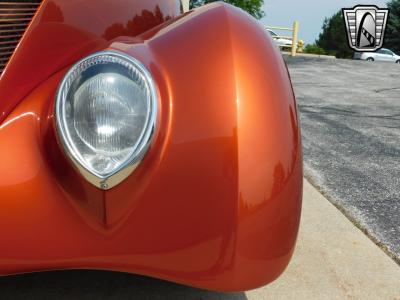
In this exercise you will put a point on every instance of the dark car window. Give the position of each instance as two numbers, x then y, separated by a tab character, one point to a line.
387	52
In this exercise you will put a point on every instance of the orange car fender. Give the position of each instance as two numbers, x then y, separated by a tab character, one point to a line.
215	202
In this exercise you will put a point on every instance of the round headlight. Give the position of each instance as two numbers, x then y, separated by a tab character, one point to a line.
105	116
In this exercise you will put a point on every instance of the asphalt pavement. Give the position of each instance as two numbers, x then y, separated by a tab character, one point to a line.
350	119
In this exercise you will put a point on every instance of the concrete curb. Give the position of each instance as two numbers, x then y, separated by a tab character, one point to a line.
307	55
333	260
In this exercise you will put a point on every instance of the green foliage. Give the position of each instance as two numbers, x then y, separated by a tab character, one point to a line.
196	3
392	37
314	49
333	38
253	7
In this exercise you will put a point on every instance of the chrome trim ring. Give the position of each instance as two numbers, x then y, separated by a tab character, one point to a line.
140	149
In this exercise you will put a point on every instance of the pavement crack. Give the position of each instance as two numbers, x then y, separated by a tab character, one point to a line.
386	90
310	109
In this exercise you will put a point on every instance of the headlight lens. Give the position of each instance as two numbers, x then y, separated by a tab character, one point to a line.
105	115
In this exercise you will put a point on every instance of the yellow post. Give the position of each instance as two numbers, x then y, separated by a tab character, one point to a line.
185	5
295	37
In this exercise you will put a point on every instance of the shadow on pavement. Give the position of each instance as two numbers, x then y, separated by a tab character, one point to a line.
99	285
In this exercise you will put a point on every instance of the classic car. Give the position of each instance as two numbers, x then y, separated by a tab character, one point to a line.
138	138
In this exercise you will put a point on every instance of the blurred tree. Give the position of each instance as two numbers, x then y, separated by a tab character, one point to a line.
253	7
392	37
333	38
196	3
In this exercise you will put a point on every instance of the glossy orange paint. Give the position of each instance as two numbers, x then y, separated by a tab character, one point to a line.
63	31
216	201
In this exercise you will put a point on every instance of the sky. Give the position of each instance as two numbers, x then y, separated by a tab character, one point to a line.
309	13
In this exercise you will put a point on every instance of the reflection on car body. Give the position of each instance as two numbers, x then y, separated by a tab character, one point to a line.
133	139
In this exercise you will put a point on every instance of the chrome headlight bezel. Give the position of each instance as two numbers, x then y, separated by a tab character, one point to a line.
115	177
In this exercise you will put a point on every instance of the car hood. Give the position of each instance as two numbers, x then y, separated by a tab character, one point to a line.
60	34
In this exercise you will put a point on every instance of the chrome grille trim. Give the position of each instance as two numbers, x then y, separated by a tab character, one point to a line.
15	17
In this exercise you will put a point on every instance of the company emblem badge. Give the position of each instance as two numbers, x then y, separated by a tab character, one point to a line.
366	26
